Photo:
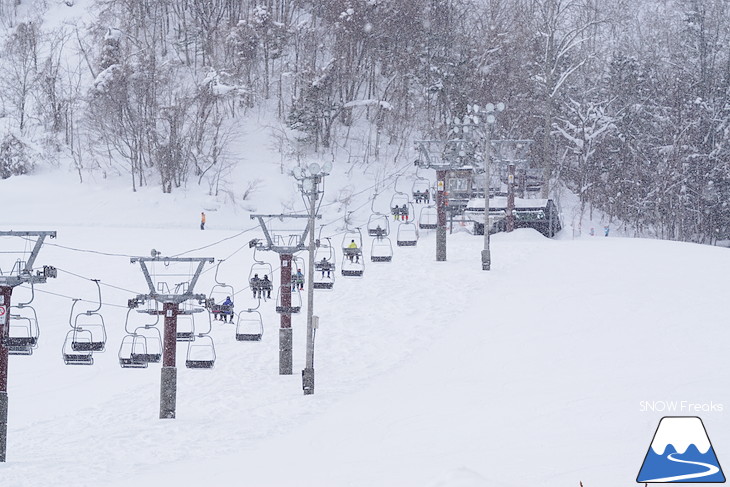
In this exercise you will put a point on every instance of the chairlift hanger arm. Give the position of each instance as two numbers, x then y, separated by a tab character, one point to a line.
98	287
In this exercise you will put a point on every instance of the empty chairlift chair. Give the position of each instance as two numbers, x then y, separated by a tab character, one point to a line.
22	335
89	331
131	352
249	326
381	250
428	218
185	327
23	329
201	352
142	346
152	352
407	234
288	301
71	352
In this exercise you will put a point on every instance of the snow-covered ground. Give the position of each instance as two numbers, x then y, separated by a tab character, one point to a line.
427	373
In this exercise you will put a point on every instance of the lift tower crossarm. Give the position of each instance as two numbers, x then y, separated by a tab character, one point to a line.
26	274
171	298
281	249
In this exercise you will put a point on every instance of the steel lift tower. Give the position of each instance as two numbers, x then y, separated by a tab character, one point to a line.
286	245
170	310
21	273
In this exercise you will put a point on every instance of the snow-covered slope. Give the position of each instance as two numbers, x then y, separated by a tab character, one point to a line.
427	373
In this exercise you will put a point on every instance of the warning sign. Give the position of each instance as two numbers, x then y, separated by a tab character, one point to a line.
3	313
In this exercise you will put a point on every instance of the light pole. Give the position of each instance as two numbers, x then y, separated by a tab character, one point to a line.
491	110
310	180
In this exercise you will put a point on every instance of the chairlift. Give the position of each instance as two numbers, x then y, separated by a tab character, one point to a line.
141	346
23	329
398	200
288	301
260	269
185	326
22	335
381	250
407	234
353	264
201	351
378	223
324	263
73	355
153	344
89	329
131	351
218	295
249	326
298	264
421	190
397	203
428	218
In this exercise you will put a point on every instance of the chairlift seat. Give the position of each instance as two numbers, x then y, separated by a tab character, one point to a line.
199	364
152	358
132	363
427	226
248	337
201	354
407	243
323	285
249	329
14	342
381	258
87	346
185	336
288	309
352	272
20	351
78	358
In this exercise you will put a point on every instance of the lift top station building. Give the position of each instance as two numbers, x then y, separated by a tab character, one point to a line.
464	185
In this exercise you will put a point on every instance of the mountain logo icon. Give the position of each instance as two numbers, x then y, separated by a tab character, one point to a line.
680	452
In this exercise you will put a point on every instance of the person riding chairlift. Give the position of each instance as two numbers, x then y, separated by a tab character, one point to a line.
352	251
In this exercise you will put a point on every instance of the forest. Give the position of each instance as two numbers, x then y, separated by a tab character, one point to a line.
627	102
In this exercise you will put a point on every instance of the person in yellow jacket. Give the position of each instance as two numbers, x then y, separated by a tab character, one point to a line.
352	251
202	220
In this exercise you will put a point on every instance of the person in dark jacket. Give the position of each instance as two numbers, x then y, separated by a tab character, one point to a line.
266	286
227	310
